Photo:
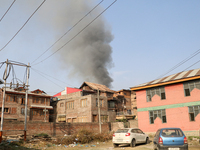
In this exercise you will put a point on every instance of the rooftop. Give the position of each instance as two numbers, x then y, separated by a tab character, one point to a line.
171	79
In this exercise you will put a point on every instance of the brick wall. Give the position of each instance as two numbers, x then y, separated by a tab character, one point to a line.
52	129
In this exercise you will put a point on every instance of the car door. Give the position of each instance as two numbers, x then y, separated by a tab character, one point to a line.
135	135
142	135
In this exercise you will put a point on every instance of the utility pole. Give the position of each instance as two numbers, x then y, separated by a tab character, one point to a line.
99	112
2	108
26	101
5	76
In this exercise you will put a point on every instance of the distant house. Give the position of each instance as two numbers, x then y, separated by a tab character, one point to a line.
172	101
81	105
14	109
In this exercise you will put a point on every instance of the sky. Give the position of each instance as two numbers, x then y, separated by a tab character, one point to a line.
132	42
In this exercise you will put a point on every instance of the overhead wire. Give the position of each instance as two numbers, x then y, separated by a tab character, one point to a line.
69	30
23	25
51	77
76	34
7	10
181	63
46	78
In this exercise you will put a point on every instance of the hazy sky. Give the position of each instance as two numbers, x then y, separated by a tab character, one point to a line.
133	42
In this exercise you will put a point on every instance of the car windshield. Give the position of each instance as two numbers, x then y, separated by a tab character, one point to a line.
172	133
122	131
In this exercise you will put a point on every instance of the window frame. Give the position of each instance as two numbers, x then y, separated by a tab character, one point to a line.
160	91
194	111
161	113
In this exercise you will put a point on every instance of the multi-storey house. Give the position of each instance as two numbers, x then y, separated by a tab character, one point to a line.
172	101
38	104
82	104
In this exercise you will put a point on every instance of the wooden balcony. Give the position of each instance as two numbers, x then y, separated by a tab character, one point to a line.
124	115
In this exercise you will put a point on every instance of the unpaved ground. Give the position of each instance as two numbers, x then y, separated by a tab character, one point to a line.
47	145
98	146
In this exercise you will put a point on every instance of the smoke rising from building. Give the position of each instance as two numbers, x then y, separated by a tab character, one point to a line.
88	56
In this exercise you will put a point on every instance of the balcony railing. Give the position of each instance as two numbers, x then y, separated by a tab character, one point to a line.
124	113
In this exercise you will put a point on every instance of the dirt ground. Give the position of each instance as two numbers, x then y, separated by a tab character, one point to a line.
45	145
92	146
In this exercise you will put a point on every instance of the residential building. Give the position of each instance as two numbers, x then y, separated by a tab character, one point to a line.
81	105
38	104
172	101
124	110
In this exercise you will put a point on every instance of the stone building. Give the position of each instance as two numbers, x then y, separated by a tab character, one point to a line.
81	105
14	106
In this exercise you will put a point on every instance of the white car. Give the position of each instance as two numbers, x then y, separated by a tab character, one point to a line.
130	136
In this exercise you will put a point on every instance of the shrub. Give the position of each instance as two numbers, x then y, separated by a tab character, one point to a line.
42	135
191	137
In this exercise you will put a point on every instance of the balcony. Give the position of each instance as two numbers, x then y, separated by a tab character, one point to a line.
124	115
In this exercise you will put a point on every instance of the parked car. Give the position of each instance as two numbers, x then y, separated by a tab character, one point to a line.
170	139
130	136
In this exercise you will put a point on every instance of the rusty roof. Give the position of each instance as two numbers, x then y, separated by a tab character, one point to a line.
171	79
96	86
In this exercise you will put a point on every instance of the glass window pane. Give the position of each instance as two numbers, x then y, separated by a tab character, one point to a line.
163	96
190	109
187	92
192	117
164	120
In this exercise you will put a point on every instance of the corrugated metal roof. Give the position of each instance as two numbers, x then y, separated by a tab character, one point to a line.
96	86
171	78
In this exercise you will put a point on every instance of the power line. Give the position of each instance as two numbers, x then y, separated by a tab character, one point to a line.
76	34
7	10
181	63
51	77
46	78
192	65
68	31
23	26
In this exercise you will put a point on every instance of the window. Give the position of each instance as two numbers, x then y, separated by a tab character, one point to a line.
104	118
34	100
157	113
42	100
193	112
82	119
22	111
111	104
61	104
6	110
189	86
160	91
70	105
101	101
22	101
84	103
62	118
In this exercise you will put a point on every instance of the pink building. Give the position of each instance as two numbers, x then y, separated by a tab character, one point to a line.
172	101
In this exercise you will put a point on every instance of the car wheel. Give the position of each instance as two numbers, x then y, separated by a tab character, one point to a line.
147	140
133	142
115	145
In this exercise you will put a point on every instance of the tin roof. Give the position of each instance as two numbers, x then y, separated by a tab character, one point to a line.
96	86
171	79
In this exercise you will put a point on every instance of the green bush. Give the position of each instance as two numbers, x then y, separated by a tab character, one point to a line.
42	135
